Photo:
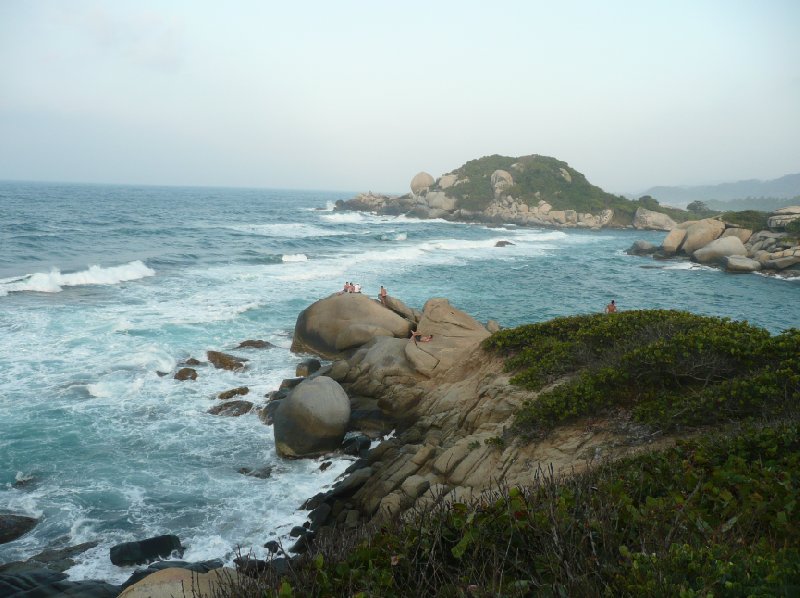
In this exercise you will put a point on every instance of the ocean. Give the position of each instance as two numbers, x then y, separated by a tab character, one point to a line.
104	286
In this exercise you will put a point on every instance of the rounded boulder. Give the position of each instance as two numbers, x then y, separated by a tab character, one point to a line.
312	420
421	182
344	321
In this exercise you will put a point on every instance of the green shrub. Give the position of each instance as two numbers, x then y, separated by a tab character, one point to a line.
716	515
668	368
751	219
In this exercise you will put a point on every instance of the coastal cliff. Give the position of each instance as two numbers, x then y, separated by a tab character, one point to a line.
528	190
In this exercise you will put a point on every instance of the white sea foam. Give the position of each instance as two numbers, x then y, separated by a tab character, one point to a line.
55	281
290	230
394	236
294	257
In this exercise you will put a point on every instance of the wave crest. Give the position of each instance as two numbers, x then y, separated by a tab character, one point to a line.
54	281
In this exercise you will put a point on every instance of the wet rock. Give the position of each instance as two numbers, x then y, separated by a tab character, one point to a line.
641	248
273	546
255	344
233	392
325	465
503	243
302	545
14	526
307	367
44	583
142	551
192	362
231	408
261	473
250	566
186	374
318	516
312	420
277	395
224	361
356	446
289	383
267	413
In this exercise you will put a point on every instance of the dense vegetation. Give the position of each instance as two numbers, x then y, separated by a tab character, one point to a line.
542	177
715	514
669	368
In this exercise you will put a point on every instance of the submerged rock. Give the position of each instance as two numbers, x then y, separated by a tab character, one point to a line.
255	344
233	392
14	526
231	408
641	248
186	374
224	361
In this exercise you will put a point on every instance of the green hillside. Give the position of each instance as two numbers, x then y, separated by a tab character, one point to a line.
544	178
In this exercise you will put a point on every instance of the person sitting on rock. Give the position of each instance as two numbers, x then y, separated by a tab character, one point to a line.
416	335
611	308
356	288
346	288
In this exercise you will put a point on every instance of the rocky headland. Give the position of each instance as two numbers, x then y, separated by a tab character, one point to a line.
528	190
713	241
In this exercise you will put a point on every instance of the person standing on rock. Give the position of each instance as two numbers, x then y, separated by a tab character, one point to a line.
611	308
382	296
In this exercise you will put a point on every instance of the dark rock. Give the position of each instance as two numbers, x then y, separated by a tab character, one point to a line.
231	408
503	243
186	374
141	551
273	546
289	383
302	544
261	473
22	483
223	361
357	446
348	486
250	566
56	559
267	413
319	516
43	583
297	531
277	395
641	248
325	465
356	465
307	367
192	362
314	501
161	374
280	566
198	567
233	392
14	526
255	344
372	422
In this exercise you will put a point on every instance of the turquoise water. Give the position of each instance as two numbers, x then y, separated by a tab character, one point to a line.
103	286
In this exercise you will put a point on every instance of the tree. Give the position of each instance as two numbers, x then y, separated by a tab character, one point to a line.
698	206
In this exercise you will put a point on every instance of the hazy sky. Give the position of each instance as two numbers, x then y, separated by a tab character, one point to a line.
363	95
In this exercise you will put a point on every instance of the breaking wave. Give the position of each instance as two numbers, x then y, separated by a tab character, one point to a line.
55	281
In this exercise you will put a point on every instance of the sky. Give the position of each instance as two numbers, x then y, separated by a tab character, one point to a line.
362	95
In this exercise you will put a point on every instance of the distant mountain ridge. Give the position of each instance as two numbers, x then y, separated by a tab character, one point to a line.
786	187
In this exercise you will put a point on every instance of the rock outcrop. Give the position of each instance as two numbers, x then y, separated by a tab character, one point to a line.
142	551
176	582
717	249
651	220
312	420
343	322
14	526
780	218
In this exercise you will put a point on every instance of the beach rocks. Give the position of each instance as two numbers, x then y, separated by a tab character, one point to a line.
233	392
344	321
641	248
312	420
224	361
255	344
14	526
717	249
142	551
307	367
650	220
700	233
231	408
186	374
740	263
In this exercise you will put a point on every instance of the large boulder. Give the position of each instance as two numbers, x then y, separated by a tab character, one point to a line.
673	241
439	200
14	526
640	247
447	180
421	182
740	263
718	249
452	333
141	551
344	321
700	233
183	583
501	180
650	220
743	234
312	420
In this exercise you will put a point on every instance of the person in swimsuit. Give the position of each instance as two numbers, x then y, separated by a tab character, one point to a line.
611	308
382	296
